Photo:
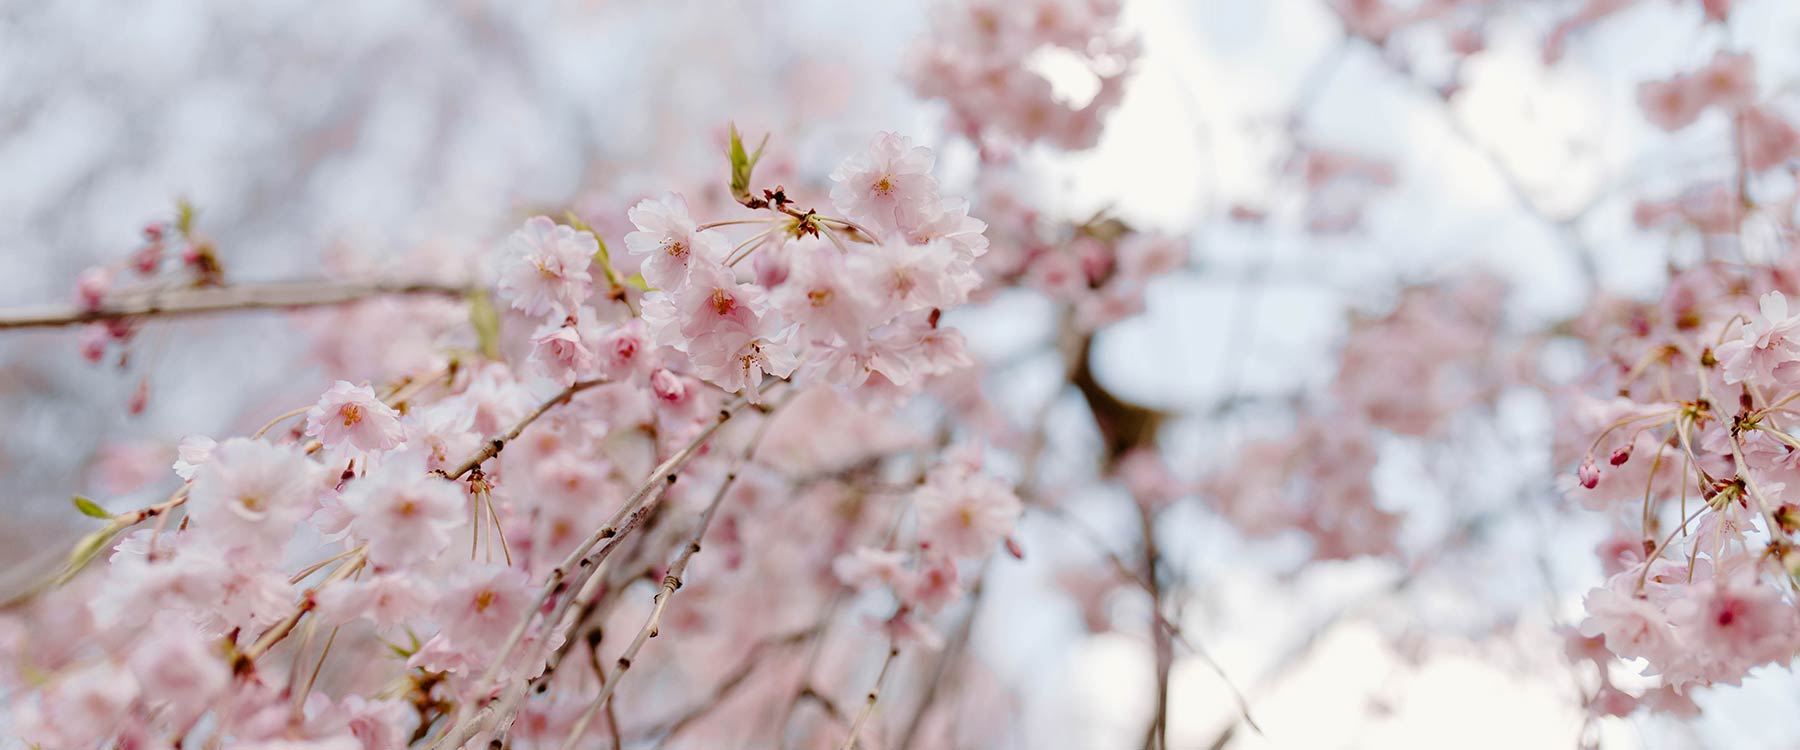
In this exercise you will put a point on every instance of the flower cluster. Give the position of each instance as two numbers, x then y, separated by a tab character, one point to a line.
1407	374
982	60
1098	269
1690	457
461	525
962	515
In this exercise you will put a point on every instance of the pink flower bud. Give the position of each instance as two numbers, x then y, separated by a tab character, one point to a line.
92	285
1620	456
94	338
140	398
1588	473
668	387
147	258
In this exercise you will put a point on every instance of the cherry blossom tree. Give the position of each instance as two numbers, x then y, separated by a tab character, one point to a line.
743	437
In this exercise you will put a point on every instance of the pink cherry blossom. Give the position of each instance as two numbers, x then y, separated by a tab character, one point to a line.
565	351
1671	104
93	284
822	298
193	451
1727	81
177	667
544	268
964	513
1764	352
403	514
890	184
670	240
351	415
866	566
252	493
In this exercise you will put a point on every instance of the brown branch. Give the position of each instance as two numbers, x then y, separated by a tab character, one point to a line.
727	687
274	295
670	584
1158	736
950	654
498	712
868	709
280	630
497	443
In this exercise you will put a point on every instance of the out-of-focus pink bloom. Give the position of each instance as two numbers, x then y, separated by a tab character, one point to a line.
404	515
252	493
1728	81
93	284
867	566
179	670
1769	141
193	451
965	514
1672	104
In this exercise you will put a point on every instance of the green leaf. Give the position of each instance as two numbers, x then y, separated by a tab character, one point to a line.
602	256
90	508
486	322
84	552
742	164
637	280
184	216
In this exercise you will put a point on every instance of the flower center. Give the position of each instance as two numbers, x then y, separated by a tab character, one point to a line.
722	302
351	414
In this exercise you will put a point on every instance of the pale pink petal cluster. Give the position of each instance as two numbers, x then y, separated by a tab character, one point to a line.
351	416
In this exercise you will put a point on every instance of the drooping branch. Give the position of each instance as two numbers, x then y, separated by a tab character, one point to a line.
492	446
168	303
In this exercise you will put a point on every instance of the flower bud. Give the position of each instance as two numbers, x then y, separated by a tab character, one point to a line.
140	398
668	387
94	338
92	285
1589	474
1620	456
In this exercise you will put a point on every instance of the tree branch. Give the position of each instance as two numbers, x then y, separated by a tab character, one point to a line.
168	303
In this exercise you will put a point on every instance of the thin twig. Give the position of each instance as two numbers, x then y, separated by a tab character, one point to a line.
497	443
670	584
500	710
862	717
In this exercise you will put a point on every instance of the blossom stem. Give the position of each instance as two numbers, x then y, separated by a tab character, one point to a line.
283	417
862	717
732	223
746	247
670	584
494	445
500	710
848	223
281	629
